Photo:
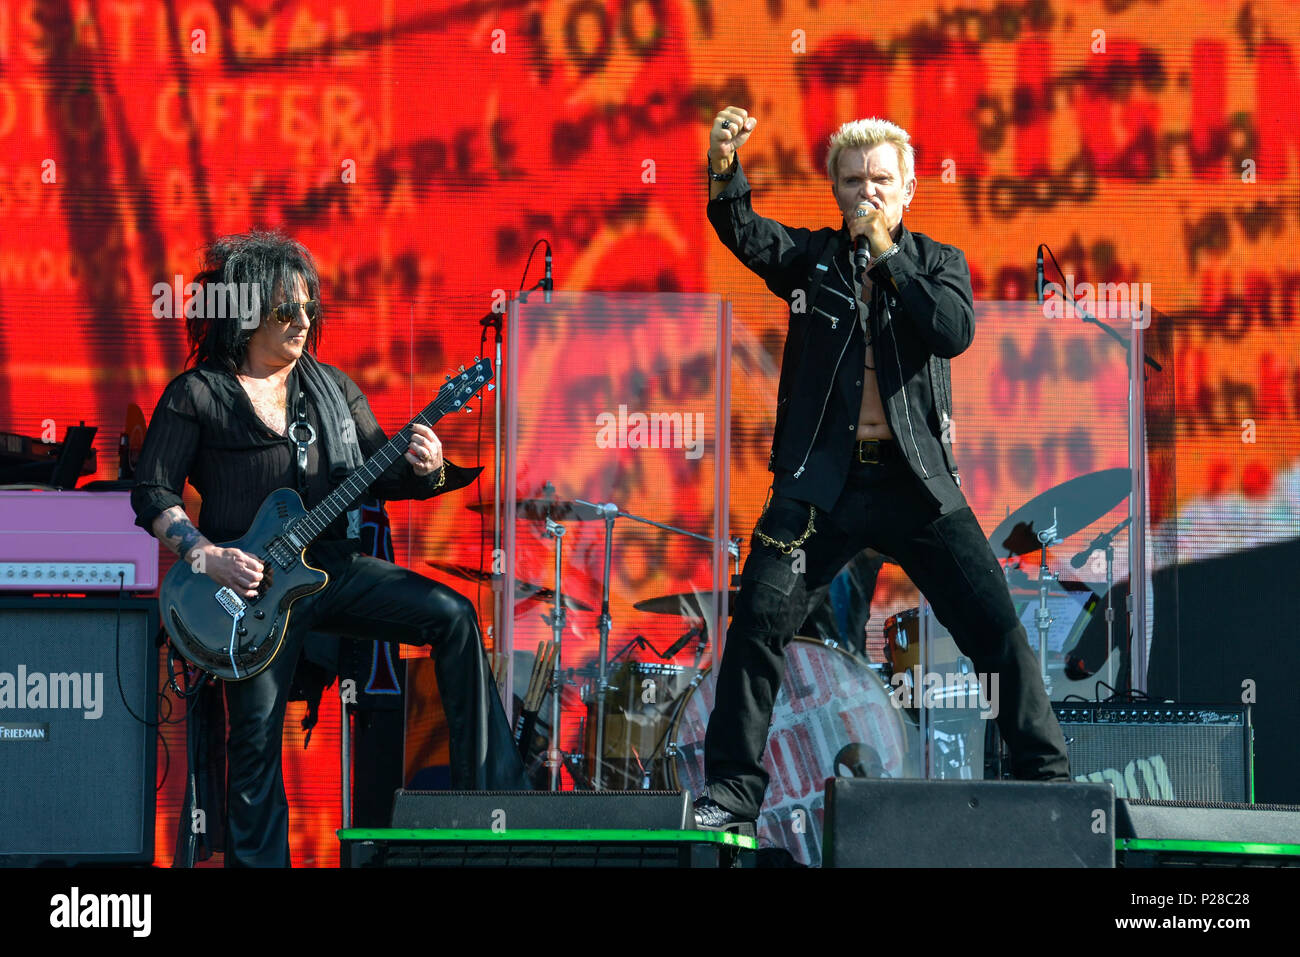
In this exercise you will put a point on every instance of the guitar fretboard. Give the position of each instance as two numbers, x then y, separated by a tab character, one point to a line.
450	398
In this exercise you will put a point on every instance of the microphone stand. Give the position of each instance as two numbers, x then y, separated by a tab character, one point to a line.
495	322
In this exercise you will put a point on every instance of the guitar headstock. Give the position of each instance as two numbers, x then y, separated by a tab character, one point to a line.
464	385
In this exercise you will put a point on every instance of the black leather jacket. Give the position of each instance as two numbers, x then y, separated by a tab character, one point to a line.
922	314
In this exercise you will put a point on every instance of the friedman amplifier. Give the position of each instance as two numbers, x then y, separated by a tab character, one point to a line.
1162	752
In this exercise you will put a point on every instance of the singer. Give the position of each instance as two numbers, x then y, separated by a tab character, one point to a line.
862	452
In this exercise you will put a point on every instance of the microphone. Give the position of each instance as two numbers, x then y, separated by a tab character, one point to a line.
672	650
1039	281
1101	541
547	282
859	257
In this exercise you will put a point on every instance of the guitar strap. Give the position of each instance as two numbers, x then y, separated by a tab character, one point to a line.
303	435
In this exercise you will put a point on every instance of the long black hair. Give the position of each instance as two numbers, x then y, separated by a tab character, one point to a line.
257	268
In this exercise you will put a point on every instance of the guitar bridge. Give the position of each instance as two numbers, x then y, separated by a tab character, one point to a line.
231	602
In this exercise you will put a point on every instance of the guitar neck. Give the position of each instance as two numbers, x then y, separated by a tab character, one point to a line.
319	518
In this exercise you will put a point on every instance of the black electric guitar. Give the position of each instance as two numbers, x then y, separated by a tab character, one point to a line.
234	637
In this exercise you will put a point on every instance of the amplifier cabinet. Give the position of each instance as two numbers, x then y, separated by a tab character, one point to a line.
79	769
1162	752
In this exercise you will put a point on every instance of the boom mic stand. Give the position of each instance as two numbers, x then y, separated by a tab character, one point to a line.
494	320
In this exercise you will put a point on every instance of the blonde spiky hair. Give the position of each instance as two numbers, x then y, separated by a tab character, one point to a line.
869	134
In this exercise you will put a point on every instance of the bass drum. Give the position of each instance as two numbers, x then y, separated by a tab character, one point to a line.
834	717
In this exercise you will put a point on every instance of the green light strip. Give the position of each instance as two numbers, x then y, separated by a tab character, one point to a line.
1211	847
551	836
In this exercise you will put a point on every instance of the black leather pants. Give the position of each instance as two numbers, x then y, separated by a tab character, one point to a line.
366	598
946	556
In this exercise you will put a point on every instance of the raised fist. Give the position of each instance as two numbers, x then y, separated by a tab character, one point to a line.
729	132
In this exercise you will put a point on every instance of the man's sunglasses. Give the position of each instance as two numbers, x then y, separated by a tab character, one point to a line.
287	311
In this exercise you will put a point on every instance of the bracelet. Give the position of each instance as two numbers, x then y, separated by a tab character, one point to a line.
442	476
892	250
726	177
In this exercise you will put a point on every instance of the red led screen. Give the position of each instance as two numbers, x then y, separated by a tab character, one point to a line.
419	149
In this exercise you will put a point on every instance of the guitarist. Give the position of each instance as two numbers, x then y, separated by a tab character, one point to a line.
257	412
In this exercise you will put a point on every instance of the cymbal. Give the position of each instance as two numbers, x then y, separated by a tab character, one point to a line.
684	605
540	509
524	590
1078	503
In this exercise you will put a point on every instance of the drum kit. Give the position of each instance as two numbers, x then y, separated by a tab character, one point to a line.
836	715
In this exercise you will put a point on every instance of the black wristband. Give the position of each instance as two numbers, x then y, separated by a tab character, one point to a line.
726	177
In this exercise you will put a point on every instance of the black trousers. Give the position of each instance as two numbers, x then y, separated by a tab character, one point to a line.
949	559
366	598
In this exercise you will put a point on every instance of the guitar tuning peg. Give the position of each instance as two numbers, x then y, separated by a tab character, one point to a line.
448	378
478	359
491	387
468	409
462	368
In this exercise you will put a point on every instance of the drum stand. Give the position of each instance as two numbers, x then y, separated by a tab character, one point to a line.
556	620
1044	615
1107	541
609	512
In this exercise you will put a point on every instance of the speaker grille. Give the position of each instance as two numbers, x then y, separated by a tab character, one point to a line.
1170	753
84	790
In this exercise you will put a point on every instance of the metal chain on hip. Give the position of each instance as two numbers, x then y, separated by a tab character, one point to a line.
783	547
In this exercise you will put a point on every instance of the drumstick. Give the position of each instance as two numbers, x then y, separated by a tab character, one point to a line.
499	671
530	697
544	679
542	667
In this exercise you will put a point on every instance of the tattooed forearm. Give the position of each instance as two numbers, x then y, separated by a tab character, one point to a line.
175	530
188	536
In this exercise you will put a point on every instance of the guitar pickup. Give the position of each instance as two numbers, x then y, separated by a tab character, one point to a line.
232	603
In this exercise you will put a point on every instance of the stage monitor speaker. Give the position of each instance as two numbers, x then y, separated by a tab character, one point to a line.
78	768
1185	821
544	810
1162	752
1181	834
913	823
